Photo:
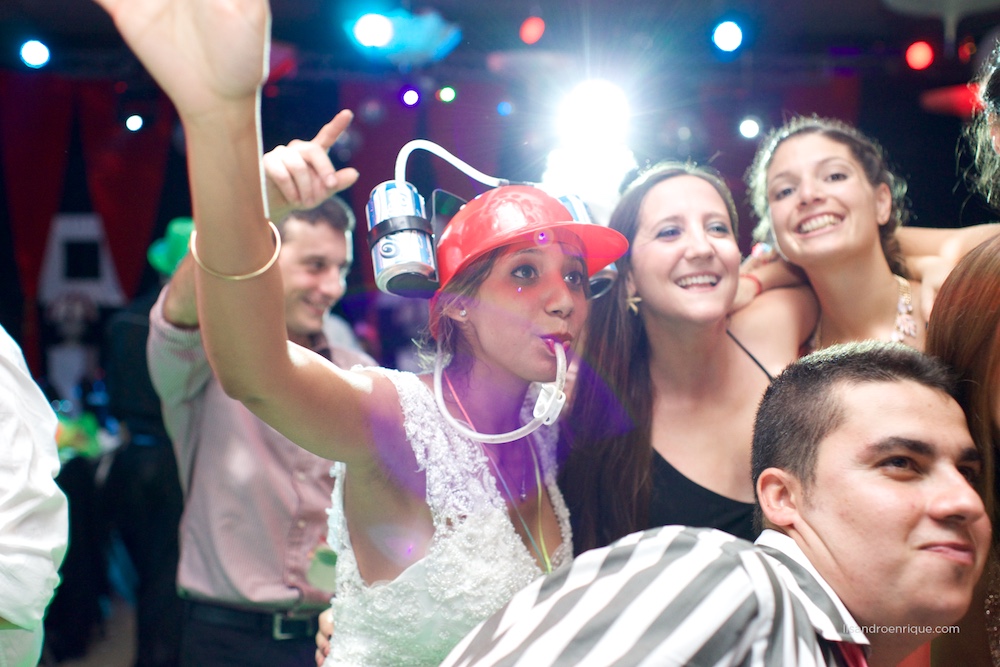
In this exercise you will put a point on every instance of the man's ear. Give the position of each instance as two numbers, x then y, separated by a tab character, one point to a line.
779	493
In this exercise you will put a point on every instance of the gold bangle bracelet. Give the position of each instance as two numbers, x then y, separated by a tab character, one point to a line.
245	276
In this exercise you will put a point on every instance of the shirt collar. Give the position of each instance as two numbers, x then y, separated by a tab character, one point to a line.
319	344
826	611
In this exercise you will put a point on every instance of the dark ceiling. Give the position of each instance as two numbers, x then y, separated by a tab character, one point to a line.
782	34
657	49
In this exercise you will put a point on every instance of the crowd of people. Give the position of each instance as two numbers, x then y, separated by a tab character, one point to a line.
787	459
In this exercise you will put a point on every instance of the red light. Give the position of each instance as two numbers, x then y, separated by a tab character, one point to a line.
919	55
532	29
966	50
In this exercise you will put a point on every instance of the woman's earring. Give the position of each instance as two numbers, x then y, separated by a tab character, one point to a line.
633	303
462	313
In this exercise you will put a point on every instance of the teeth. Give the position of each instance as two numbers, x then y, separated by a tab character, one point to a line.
703	279
819	222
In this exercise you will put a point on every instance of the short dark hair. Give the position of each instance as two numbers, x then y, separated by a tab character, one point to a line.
334	211
801	408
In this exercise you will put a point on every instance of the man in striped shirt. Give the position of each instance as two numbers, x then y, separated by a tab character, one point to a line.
874	538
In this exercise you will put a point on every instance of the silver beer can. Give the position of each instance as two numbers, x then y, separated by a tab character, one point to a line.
402	254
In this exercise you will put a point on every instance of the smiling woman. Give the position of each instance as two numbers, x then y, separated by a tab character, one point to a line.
828	201
831	206
660	425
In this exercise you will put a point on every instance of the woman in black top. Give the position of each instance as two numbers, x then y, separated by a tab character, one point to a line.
660	426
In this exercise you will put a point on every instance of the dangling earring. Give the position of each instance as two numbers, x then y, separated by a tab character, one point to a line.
633	303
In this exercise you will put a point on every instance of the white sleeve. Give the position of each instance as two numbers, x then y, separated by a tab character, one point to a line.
34	515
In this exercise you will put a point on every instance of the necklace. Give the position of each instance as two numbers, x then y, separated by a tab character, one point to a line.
543	553
904	326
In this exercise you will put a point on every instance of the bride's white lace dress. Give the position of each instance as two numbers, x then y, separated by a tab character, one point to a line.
475	561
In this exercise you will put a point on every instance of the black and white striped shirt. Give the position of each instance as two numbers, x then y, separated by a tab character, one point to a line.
670	596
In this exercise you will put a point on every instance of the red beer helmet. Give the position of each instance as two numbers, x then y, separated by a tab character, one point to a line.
503	215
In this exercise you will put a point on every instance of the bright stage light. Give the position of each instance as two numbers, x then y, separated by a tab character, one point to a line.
133	123
446	94
373	30
749	128
595	111
592	157
727	36
919	55
34	54
409	96
532	29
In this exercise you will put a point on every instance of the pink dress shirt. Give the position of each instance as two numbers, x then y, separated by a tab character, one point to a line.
254	502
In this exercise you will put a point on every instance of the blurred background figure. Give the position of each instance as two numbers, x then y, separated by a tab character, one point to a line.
142	493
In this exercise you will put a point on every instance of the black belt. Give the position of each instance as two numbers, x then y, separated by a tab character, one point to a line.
278	625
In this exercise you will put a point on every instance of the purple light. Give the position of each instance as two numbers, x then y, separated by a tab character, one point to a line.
409	96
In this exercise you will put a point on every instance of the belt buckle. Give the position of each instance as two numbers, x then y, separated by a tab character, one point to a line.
280	633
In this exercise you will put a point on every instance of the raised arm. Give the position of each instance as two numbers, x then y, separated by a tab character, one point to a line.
951	244
209	56
762	275
932	253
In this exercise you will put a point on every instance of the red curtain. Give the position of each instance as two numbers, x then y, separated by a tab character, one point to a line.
125	173
35	114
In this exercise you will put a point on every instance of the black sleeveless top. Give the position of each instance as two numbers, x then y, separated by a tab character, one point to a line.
676	500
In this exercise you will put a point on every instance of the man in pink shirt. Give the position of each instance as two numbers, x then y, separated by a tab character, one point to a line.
255	503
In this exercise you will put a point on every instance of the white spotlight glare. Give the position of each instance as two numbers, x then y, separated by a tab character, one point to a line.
410	97
373	30
594	111
593	172
749	128
133	123
34	54
727	36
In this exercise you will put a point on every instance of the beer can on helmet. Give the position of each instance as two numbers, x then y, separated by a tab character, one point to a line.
401	240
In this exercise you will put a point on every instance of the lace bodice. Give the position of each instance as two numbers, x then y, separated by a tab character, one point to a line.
475	561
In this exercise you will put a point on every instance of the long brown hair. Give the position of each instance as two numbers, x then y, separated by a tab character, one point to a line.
607	478
964	331
865	150
984	177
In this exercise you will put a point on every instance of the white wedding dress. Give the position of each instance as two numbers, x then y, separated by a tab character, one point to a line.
475	561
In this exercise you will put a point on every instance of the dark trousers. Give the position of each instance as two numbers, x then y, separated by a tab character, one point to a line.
75	611
211	645
144	502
